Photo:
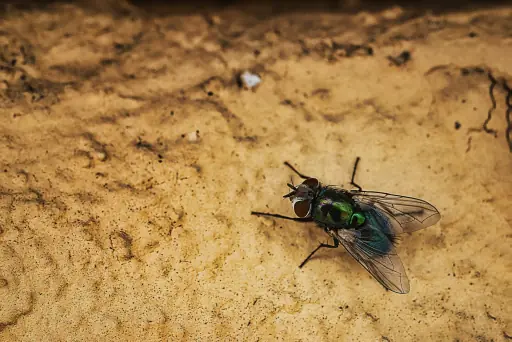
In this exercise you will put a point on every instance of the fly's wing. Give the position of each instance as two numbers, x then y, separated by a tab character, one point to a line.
375	251
404	214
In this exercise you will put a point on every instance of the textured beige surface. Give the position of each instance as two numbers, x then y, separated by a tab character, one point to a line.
119	222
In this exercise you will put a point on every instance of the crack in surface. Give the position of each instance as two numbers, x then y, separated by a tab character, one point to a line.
490	111
469	144
508	102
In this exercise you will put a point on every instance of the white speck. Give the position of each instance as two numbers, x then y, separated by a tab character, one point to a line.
249	80
193	136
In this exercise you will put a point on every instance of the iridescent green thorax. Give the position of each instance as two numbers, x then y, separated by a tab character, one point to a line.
336	209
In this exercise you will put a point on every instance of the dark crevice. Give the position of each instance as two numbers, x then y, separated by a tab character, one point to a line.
484	127
351	49
144	145
508	102
490	316
491	110
469	144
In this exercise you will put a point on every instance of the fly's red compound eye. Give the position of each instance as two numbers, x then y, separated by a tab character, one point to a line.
302	208
312	183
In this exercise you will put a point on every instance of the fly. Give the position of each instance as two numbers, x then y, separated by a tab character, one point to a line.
366	223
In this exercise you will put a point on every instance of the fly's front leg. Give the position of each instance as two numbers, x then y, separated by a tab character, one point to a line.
303	176
299	219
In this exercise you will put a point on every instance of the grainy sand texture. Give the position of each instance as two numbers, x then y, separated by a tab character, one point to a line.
131	157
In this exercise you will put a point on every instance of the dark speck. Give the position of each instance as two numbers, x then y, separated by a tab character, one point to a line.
210	93
472	34
142	144
457	125
172	112
257	52
401	59
121	48
108	61
224	43
183	135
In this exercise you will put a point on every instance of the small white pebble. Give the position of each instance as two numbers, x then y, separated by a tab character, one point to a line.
249	80
193	136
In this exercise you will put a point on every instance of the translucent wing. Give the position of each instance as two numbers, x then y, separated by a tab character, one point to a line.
404	214
375	252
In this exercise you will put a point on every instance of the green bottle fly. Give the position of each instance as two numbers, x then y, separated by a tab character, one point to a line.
366	223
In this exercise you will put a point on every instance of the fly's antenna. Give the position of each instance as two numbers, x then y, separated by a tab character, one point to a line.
289	195
294	189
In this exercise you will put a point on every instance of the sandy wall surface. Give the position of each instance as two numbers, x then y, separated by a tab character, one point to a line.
131	158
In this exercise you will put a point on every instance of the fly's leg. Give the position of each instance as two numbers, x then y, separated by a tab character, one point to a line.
354	175
299	219
295	170
322	245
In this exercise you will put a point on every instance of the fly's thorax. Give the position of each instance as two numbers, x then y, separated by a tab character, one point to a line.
334	208
332	213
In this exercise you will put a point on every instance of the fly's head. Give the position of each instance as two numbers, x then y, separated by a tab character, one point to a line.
302	196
